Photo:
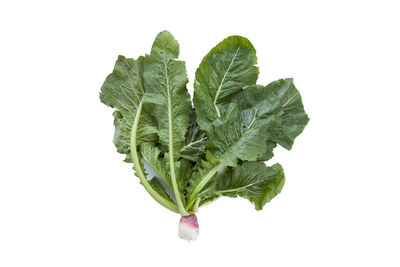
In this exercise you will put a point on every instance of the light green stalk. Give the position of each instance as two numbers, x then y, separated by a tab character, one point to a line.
201	184
177	194
138	168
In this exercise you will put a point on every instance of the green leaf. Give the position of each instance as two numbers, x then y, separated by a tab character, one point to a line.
121	133
224	71
123	89
184	173
260	118
195	142
251	180
165	47
151	154
282	99
240	134
256	99
290	110
168	100
268	154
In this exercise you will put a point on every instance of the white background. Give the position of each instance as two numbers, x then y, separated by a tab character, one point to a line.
67	199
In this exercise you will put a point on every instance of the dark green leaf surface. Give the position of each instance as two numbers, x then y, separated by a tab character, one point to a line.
240	135
123	89
268	154
290	110
253	181
195	142
121	133
167	98
256	119
224	71
184	173
282	99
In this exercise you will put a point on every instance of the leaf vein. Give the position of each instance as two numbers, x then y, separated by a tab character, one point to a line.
222	81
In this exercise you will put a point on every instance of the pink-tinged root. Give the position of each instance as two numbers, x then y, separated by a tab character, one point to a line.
188	227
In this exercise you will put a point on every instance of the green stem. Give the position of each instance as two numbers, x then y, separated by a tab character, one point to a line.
175	188
196	205
138	168
200	185
177	194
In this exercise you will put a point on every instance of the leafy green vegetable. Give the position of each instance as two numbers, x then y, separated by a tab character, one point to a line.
233	126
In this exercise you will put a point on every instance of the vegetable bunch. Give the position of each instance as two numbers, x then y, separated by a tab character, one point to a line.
233	125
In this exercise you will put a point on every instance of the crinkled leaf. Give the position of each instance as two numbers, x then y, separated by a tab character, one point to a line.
168	100
195	142
240	135
280	98
290	109
253	100
253	181
263	117
123	90
121	133
166	96
224	71
268	154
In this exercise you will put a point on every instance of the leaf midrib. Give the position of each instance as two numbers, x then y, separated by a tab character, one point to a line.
222	81
132	87
171	145
239	138
237	188
140	173
192	144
